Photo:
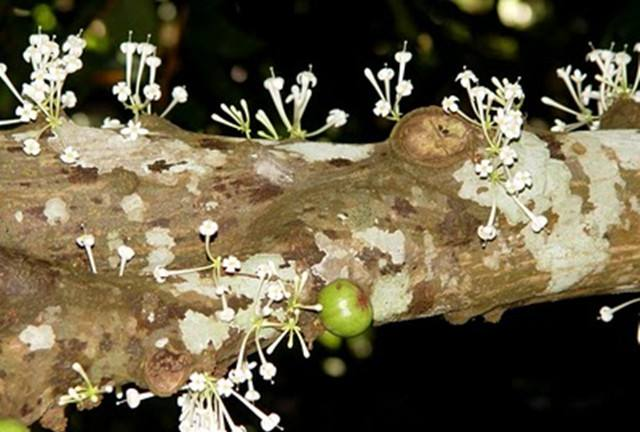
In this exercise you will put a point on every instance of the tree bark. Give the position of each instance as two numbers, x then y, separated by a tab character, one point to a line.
398	217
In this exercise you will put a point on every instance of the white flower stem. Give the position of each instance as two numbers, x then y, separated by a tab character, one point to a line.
9	84
10	122
372	79
319	130
168	109
92	262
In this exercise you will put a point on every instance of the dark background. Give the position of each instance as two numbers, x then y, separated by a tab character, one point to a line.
547	365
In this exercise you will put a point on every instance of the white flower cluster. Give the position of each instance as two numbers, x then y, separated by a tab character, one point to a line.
612	83
403	87
44	93
299	97
141	60
277	305
203	408
84	393
499	116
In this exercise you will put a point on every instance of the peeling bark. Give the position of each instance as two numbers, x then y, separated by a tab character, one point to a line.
397	217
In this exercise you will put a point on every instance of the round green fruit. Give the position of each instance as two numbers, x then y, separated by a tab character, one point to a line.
346	310
12	425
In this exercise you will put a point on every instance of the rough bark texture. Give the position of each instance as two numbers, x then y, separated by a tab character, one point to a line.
398	217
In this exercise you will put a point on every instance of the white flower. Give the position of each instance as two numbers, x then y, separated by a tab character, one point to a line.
231	264
227	314
71	64
160	274
577	76
466	78
559	126
450	104
487	232
538	223
69	155
267	371
133	130
252	395
382	108
276	291
270	422
126	254
197	382
153	62
509	122
622	59
208	228
27	112
484	168
274	83
122	91
522	180
606	313
68	99
508	156
134	397
31	147
179	94
152	92
34	91
87	241
224	387
386	74
404	88
337	118
74	45
146	49
109	123
222	290
403	56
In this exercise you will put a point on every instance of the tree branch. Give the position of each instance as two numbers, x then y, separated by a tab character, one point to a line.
397	217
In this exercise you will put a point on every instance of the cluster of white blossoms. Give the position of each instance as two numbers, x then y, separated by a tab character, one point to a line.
299	97
592	100
138	93
44	93
86	392
87	241
497	112
385	107
277	306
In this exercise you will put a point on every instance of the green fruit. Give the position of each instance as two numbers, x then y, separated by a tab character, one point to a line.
12	425
346	310
329	340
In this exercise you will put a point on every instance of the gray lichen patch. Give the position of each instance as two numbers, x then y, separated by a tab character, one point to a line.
273	170
391	296
133	207
107	150
321	152
113	243
392	243
193	282
39	337
248	286
199	331
161	241
623	142
339	261
56	211
575	245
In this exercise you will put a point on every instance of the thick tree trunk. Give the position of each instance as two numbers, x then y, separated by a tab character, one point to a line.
398	217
